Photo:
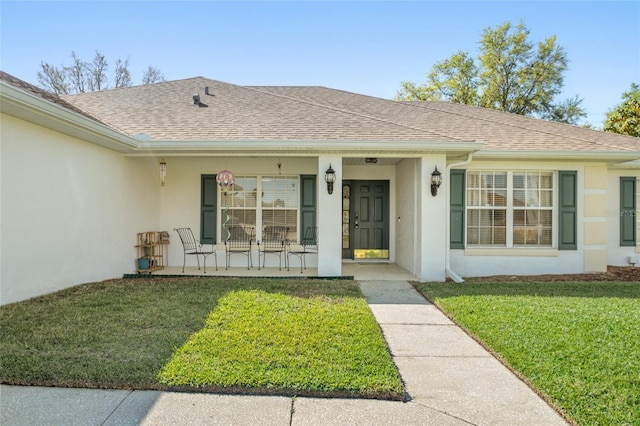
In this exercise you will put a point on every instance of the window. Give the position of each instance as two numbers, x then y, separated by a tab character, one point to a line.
509	209
280	203
532	208
261	201
487	208
240	202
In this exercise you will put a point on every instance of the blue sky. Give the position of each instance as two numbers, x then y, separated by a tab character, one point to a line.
367	47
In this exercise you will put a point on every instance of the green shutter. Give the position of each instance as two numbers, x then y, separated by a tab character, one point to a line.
456	209
627	211
307	202
567	210
208	209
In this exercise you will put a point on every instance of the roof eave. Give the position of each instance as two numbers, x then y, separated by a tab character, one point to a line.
607	156
35	109
297	147
633	164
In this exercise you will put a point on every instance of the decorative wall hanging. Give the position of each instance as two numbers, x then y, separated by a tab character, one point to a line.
225	180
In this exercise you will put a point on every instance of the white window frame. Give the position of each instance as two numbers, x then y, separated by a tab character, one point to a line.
510	211
258	207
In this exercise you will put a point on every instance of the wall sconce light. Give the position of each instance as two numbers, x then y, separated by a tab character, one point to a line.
436	181
163	171
330	178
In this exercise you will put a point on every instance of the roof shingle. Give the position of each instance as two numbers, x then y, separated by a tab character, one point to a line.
166	111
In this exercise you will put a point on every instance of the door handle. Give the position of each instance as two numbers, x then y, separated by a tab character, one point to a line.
355	222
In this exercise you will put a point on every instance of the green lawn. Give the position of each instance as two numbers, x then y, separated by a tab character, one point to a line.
577	342
293	337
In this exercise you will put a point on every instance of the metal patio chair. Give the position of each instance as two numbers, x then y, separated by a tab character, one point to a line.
308	245
273	241
192	247
240	241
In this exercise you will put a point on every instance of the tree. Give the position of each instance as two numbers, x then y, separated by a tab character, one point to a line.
509	75
123	76
83	76
454	79
53	79
97	73
624	119
569	111
76	74
152	75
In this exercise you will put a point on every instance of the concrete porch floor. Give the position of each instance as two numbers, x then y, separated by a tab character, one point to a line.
360	271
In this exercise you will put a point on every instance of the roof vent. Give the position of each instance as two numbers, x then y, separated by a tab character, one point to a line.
206	91
196	101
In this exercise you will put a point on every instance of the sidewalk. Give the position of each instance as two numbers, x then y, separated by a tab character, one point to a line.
450	380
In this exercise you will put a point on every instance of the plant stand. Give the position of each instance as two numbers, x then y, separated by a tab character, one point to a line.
150	251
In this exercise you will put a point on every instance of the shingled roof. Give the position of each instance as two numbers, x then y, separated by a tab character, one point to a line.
48	96
496	129
166	111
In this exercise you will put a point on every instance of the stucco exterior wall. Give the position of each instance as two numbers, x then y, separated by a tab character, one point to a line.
433	218
330	218
405	219
595	218
70	210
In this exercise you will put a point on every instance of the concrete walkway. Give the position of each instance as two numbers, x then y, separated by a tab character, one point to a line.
450	380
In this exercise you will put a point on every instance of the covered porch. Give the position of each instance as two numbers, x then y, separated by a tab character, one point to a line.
402	224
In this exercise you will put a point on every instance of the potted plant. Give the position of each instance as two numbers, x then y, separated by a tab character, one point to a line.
144	262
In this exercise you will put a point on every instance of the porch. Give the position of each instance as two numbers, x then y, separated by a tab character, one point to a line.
359	271
378	204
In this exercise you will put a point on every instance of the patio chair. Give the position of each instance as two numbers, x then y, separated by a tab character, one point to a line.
274	242
240	241
308	245
192	247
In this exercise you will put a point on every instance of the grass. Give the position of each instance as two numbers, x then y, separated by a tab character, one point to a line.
293	337
577	342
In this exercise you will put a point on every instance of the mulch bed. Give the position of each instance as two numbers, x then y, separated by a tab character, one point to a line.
614	273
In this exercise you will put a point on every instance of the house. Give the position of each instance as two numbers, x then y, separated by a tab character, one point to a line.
81	176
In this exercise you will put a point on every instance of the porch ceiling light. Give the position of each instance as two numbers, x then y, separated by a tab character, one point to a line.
163	171
436	181
330	178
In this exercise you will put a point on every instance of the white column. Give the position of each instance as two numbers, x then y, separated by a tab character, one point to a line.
433	229
329	219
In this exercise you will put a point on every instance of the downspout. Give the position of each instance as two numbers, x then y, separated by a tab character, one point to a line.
447	254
